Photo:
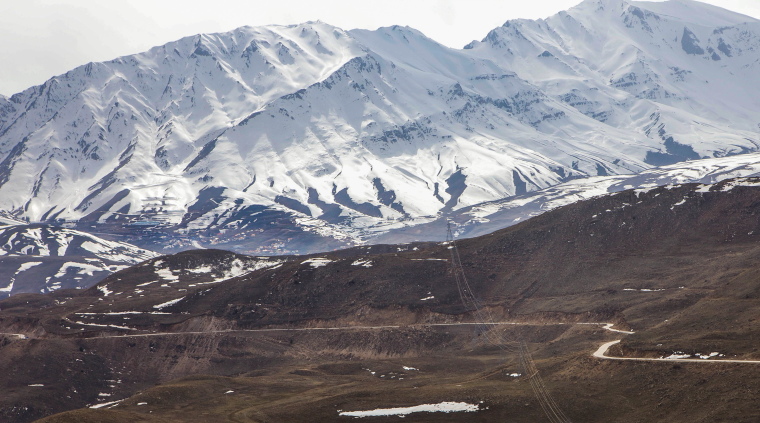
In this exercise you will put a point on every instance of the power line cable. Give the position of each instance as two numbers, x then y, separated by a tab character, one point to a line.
487	324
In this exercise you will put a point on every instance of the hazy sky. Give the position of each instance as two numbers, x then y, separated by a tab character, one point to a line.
43	38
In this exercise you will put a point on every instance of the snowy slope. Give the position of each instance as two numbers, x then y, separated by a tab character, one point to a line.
310	134
145	141
42	258
389	137
487	217
682	72
77	142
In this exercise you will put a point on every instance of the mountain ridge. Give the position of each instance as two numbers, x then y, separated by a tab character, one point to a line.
331	132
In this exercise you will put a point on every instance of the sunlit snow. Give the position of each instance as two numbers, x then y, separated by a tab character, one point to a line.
317	262
443	407
168	303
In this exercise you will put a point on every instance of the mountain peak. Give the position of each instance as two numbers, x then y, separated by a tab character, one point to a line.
600	5
694	12
686	11
402	32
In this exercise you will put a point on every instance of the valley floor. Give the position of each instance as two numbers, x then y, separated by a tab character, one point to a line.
315	374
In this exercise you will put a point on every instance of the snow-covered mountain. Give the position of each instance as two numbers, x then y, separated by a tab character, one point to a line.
490	216
278	136
680	72
42	258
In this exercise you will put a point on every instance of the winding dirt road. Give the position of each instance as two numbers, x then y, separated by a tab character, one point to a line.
606	326
602	353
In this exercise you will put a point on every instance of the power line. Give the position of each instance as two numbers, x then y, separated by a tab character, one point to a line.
486	323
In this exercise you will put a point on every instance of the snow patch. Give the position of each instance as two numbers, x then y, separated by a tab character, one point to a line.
104	326
709	356
739	183
363	263
239	268
107	404
121	313
104	289
317	262
168	303
443	407
202	269
83	269
167	275
677	355
28	265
